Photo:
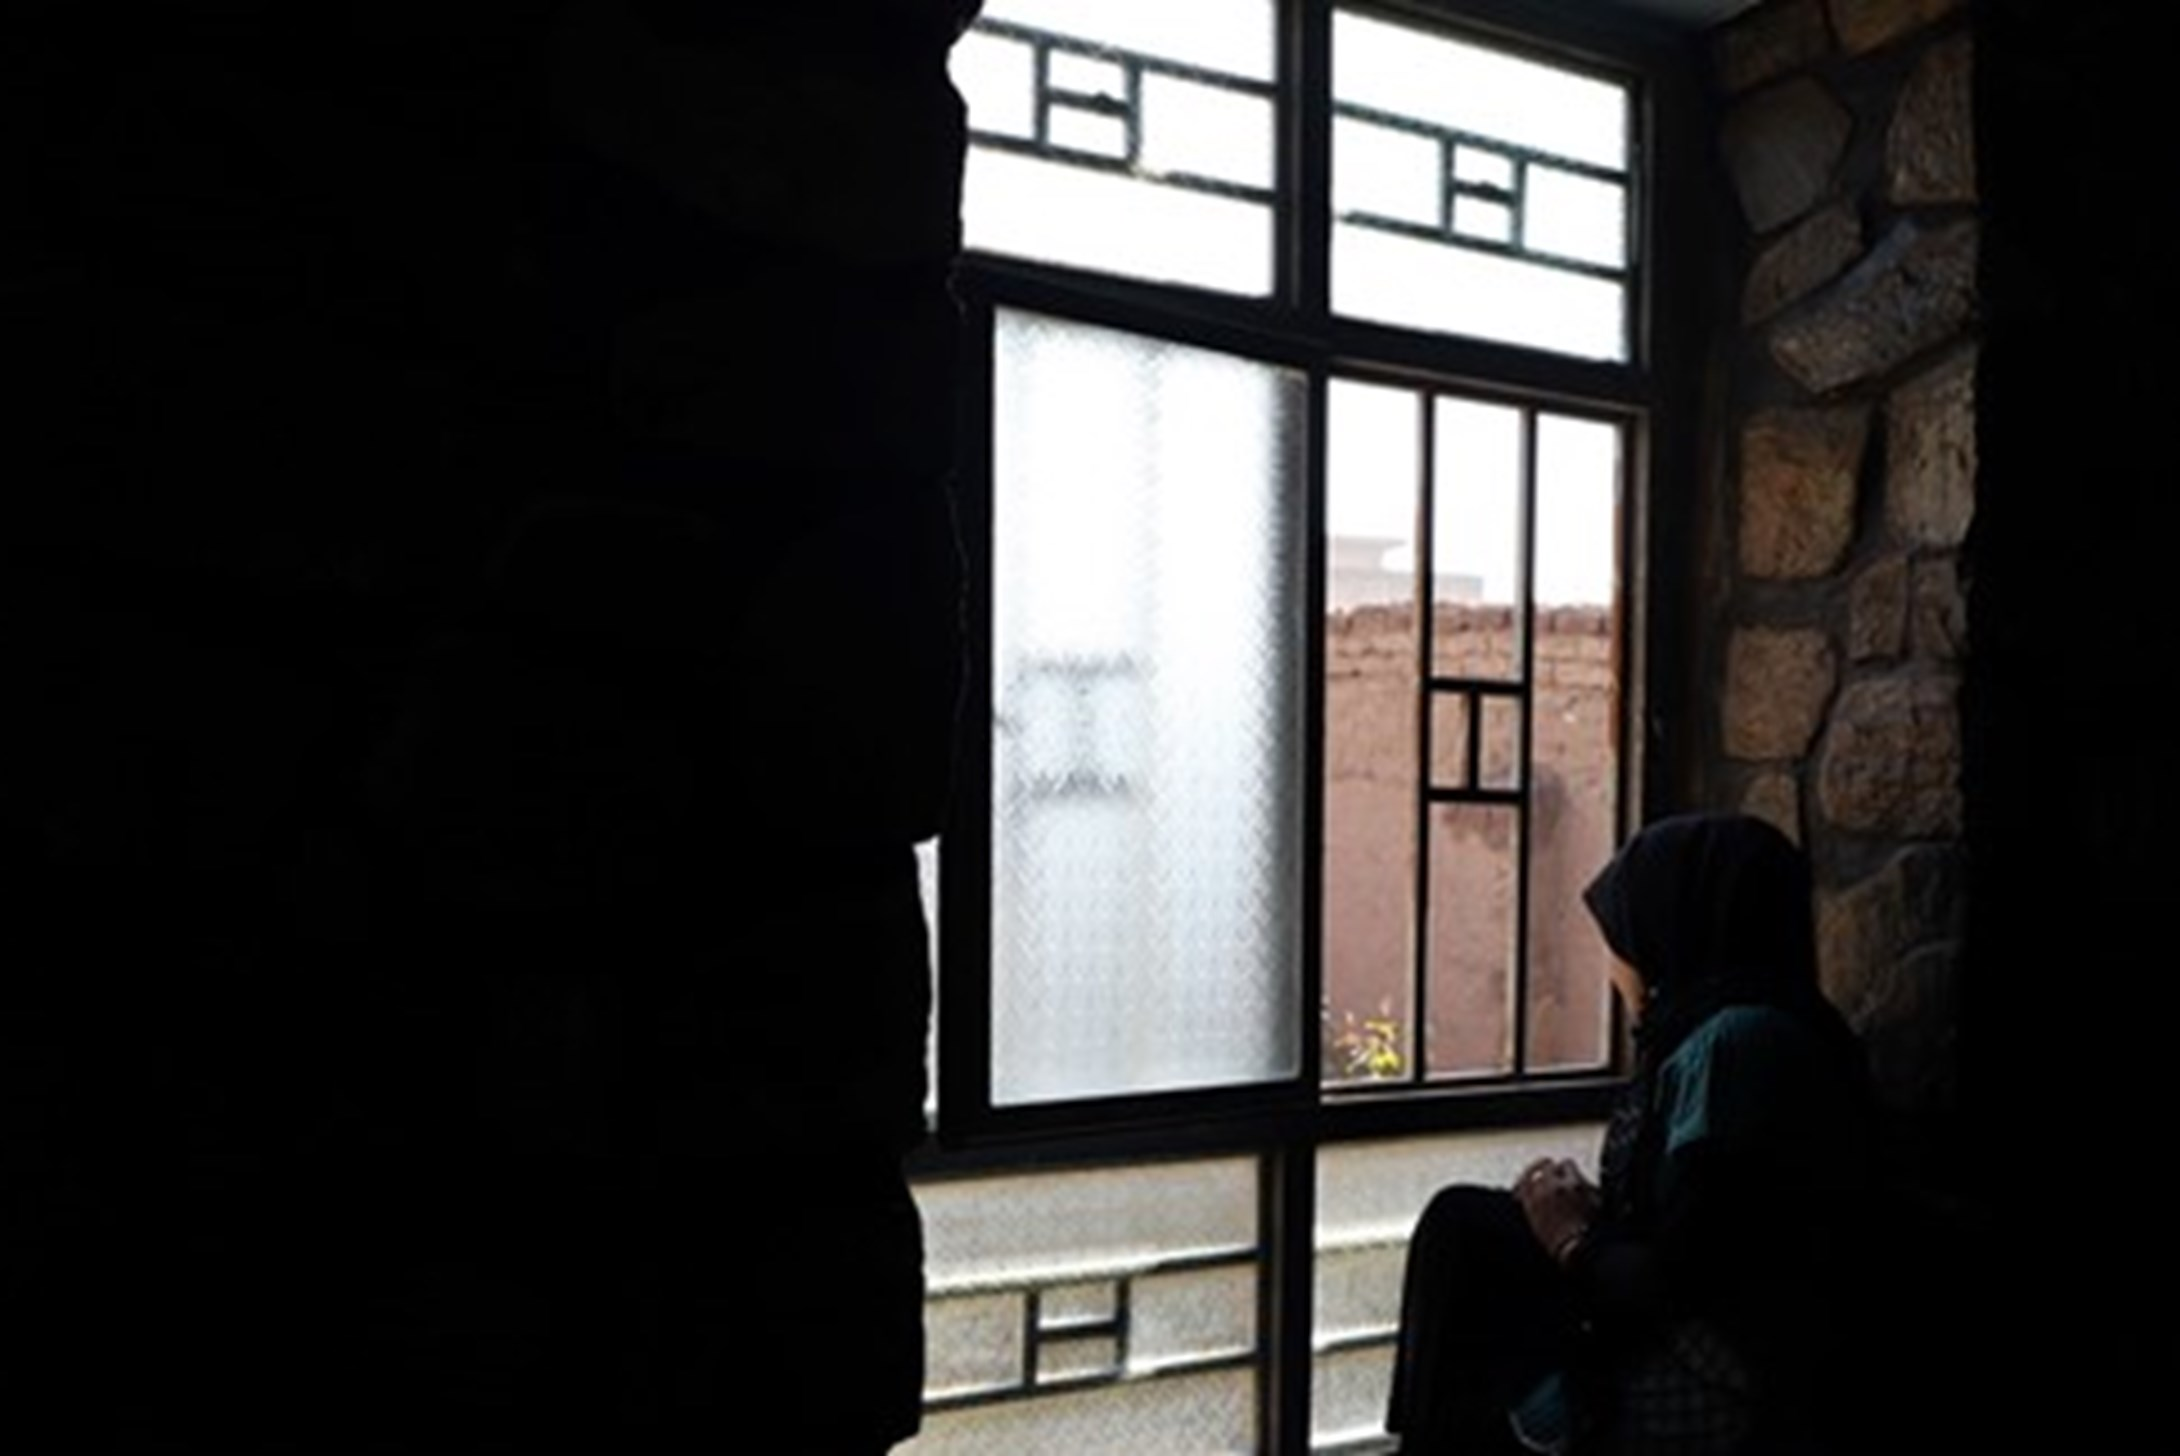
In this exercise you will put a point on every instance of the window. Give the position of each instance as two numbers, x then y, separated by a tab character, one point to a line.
1310	394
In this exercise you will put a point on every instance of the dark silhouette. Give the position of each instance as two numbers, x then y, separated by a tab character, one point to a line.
483	615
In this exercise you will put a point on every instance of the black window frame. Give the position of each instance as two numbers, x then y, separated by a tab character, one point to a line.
1653	393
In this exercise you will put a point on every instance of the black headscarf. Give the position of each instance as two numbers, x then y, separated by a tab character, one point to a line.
1712	910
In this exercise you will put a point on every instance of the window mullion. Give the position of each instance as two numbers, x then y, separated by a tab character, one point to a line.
1306	162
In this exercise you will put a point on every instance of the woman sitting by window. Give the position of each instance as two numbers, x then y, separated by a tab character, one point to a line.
1692	1298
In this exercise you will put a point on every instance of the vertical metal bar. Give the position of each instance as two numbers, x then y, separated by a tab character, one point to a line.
965	862
1288	1214
1518	204
1472	705
1316	444
1426	609
1635	312
1041	67
1523	819
1123	1304
1032	1322
1305	200
1132	74
1446	188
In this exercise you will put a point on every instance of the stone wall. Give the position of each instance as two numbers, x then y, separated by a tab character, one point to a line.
1850	464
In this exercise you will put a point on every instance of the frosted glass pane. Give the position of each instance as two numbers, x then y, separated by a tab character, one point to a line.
1575	217
997	79
1349	1390
1121	1245
1147	746
1080	1302
1072	1359
1059	1229
1465	87
1204	131
1476	539
1055	213
1372	446
1575	796
1385	173
1474	857
1233	36
1419	284
1191	1314
1369	1196
972	1344
1372	1193
1203	1415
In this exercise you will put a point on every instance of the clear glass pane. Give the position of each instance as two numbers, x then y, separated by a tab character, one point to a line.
1236	37
1498	753
1575	217
1075	1238
1450	723
1385	173
997	79
1414	283
1465	87
1369	1196
1476	539
1087	131
1147	747
1483	168
1205	131
1499	761
1372	447
1056	213
1475	856
1087	75
1475	217
1574	802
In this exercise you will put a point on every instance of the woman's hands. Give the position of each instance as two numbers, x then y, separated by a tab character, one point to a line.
1558	1202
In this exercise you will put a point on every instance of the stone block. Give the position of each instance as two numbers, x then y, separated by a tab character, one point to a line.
1864	25
1776	797
1777	684
1861	931
1799	471
1877	611
1768	42
1937	613
1781	147
1930	149
1930	454
1908	1025
1890	763
1806	257
1915	291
